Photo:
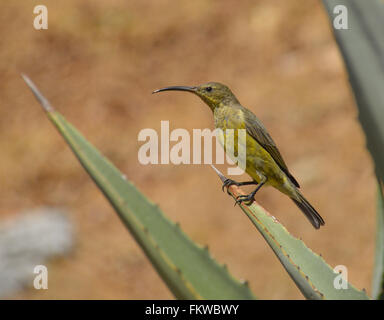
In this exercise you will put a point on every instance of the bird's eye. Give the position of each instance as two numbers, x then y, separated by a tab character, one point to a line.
208	89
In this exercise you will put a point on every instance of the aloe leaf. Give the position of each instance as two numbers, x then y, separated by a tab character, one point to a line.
188	269
362	46
378	274
312	275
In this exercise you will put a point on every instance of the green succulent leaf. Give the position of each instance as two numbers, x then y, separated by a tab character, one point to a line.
378	274
362	46
312	275
188	269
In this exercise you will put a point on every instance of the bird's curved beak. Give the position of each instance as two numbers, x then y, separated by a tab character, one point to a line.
177	88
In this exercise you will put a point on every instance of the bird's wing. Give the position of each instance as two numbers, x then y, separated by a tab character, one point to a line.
257	131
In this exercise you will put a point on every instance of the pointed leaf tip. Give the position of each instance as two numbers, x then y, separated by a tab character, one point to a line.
221	176
42	100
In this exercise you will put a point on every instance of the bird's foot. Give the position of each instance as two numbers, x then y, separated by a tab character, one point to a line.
227	183
247	199
250	197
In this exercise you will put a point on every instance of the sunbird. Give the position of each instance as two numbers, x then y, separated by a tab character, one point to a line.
264	162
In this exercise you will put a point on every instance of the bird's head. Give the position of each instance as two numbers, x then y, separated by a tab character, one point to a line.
213	94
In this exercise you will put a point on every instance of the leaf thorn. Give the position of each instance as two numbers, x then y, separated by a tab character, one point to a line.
40	98
221	176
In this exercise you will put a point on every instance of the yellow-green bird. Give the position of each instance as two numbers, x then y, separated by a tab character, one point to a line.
264	162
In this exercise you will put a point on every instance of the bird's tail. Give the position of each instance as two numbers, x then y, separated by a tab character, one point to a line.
309	211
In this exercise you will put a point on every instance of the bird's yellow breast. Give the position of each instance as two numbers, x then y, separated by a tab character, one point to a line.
258	161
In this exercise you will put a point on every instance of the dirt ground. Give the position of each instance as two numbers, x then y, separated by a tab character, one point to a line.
98	63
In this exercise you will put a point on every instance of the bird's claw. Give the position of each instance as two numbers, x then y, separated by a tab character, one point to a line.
247	199
227	183
242	198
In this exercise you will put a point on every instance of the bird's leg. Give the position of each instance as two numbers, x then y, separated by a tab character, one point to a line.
229	182
250	197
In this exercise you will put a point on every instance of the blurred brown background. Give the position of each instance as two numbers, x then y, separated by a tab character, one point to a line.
98	63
